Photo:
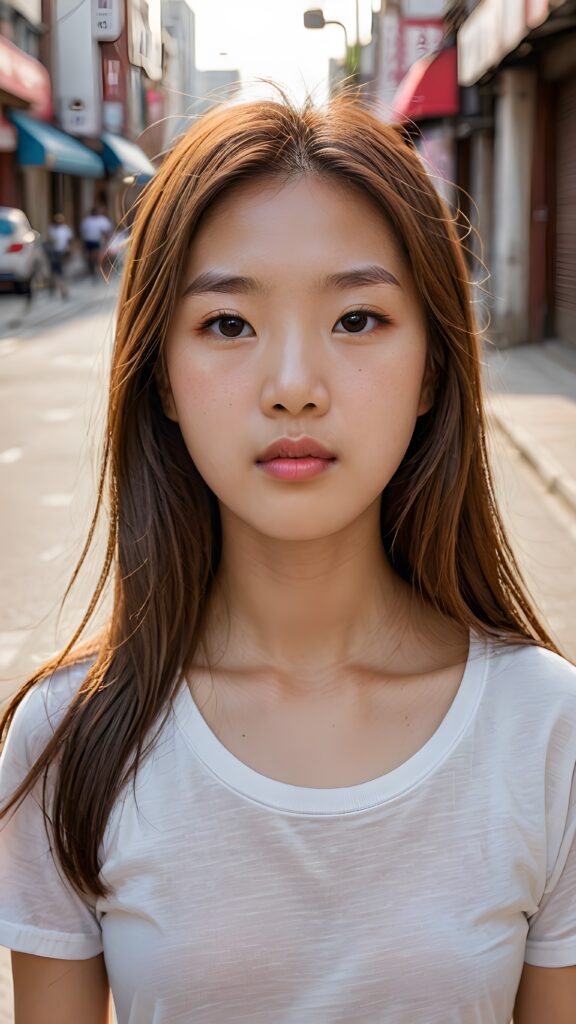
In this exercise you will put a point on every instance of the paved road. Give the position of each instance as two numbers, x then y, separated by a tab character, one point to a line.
51	409
51	413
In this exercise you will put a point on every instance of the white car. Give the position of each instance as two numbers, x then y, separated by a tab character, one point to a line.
22	257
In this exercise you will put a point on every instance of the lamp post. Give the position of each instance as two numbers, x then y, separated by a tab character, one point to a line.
315	19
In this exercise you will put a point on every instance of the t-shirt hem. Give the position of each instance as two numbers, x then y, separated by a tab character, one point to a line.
59	945
556	954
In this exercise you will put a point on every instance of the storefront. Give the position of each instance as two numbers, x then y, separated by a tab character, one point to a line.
25	86
53	166
564	319
128	169
521	57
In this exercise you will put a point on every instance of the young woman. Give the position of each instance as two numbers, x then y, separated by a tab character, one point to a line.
319	766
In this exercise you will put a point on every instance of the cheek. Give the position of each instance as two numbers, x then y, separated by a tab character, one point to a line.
209	409
382	407
388	391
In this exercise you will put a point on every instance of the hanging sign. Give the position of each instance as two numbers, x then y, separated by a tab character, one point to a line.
107	19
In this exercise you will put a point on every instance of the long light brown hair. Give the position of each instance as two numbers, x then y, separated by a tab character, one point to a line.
440	525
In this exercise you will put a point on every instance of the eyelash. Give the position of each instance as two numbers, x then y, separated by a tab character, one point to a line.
204	326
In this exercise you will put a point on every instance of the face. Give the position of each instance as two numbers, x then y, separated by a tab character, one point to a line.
307	348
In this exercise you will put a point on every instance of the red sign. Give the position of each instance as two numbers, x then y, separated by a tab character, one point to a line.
404	41
418	38
26	78
113	79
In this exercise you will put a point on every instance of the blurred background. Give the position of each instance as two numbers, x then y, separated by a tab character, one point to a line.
92	95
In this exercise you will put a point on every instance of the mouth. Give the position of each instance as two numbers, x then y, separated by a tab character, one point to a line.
295	460
292	449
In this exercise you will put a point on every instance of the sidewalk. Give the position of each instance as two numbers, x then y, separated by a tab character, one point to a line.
531	392
18	320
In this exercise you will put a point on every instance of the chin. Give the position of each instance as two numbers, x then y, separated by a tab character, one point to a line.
300	525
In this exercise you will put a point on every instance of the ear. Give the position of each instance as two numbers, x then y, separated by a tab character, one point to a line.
165	391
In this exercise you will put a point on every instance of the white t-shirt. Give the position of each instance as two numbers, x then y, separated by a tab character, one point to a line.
60	236
94	228
414	898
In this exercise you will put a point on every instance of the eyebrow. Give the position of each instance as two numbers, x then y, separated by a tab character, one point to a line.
212	281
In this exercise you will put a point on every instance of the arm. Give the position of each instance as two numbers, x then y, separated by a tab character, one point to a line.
50	991
546	994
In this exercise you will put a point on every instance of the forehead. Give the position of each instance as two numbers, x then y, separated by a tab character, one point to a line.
304	223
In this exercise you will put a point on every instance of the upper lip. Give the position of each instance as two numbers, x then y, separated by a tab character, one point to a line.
288	448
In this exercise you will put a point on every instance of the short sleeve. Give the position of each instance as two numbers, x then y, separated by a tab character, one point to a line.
551	939
40	912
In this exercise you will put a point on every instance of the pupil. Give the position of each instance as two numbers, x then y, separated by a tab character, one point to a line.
358	320
235	321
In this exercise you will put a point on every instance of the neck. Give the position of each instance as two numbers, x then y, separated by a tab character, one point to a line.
307	607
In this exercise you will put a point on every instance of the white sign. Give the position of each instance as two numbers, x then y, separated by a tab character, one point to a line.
419	41
113	116
107	19
79	71
145	37
494	28
423	8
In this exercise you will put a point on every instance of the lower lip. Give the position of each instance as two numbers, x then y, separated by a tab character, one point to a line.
296	469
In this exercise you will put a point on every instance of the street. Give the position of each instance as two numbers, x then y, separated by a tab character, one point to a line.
52	406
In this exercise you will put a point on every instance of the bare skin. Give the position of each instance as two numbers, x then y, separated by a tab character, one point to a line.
331	669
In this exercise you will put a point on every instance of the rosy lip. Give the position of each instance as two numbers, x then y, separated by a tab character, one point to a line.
296	469
295	448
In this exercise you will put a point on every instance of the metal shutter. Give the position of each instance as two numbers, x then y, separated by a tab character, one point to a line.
565	273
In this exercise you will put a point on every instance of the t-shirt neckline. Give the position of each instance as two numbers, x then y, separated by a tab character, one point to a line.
283	796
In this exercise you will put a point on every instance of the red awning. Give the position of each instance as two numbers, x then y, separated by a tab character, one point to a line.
24	79
429	89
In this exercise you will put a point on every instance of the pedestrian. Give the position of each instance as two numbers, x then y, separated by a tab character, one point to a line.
95	229
319	764
60	237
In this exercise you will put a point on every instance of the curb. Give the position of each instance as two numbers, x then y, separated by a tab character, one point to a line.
553	476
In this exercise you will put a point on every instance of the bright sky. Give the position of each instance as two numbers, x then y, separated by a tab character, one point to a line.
267	38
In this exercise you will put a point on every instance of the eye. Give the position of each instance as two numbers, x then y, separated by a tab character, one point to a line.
231	325
355	321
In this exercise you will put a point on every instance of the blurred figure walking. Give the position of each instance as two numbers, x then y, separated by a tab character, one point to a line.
60	237
95	229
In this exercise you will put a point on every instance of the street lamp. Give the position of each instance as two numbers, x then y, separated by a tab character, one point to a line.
315	19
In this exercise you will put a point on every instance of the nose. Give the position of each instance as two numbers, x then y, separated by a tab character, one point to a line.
294	378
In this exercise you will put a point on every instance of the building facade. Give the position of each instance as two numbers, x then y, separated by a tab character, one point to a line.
189	90
517	72
24	86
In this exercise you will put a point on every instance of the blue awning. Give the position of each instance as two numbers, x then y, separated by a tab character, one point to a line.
121	154
43	145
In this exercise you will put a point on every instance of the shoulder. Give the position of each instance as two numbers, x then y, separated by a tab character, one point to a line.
41	710
531	701
533	673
